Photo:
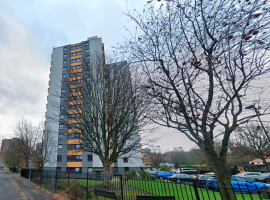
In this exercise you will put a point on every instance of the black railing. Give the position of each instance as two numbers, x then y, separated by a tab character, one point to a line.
82	185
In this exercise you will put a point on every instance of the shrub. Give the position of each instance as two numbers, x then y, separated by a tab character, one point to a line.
153	177
164	168
144	175
75	191
129	175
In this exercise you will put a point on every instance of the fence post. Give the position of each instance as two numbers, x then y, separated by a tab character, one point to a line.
47	179
55	180
68	179
87	184
121	184
195	189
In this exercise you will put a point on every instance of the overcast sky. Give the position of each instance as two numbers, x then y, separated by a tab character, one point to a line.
29	29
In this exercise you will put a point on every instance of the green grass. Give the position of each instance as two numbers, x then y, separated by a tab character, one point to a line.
182	191
81	182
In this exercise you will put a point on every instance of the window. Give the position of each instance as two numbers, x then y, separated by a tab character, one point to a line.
74	126
59	158
77	47
89	158
74	147
60	147
74	169
88	57
58	169
74	136
76	74
75	98
64	76
76	67
65	48
87	44
76	54
60	137
75	82
126	169
76	60
125	160
63	91
90	169
65	55
87	50
61	126
74	158
75	116
64	62
64	69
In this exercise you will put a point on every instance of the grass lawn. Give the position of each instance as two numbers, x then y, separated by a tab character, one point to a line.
81	182
182	191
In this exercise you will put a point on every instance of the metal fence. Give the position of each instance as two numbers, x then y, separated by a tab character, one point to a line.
128	188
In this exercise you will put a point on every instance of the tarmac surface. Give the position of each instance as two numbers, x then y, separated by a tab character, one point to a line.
14	187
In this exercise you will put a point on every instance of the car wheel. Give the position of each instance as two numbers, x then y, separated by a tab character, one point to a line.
161	178
267	180
178	181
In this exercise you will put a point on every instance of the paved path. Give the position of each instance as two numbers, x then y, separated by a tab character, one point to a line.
13	186
7	189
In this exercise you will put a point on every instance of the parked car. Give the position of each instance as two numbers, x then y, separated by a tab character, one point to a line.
264	177
251	175
239	184
188	171
163	174
179	178
153	172
202	179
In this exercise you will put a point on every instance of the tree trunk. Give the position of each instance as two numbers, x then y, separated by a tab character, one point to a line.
222	174
106	169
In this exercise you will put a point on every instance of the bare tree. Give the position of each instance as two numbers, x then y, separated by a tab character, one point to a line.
105	110
200	59
154	156
252	141
12	158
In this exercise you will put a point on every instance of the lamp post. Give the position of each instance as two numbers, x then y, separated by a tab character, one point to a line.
258	115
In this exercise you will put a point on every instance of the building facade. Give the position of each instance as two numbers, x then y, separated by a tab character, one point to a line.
67	66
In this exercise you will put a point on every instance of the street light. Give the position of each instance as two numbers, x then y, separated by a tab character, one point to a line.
258	115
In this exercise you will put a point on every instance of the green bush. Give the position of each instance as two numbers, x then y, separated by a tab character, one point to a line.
164	168
153	177
129	175
134	172
144	175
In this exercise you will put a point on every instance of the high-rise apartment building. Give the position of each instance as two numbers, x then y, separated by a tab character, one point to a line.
67	65
4	148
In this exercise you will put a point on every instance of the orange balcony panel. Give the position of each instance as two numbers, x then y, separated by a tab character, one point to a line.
46	105
103	58
141	145
74	121
76	78
139	136
143	164
49	75
75	141
51	62
47	98
48	90
73	131
74	45
51	55
45	114
49	83
111	150
73	94
112	165
74	153
50	69
74	164
72	103
76	86
45	123
76	50
107	90
110	139
142	155
75	57
74	111
102	44
75	64
75	71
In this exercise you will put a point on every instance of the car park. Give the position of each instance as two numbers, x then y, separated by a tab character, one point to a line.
239	184
153	172
163	174
264	177
179	178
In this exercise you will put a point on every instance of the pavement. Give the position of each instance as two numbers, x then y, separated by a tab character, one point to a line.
14	187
